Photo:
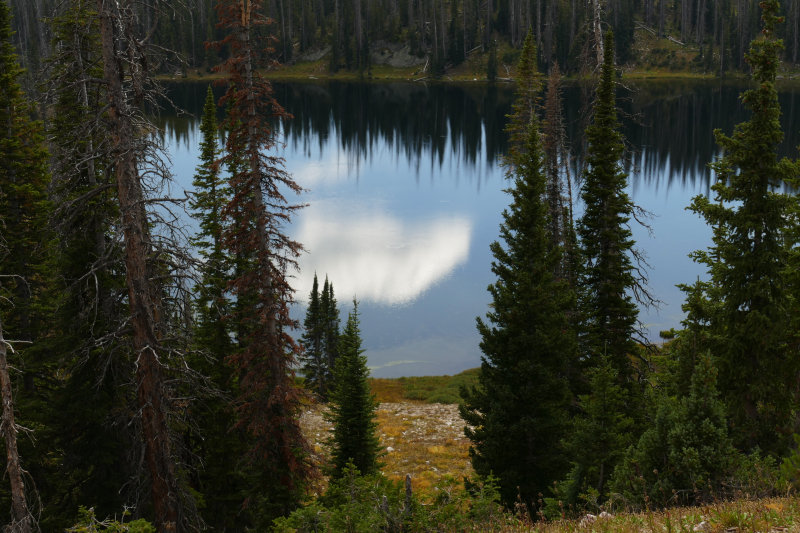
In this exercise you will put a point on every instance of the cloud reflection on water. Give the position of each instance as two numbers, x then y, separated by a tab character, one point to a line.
375	256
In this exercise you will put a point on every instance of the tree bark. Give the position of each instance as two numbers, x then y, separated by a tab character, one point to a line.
144	308
19	507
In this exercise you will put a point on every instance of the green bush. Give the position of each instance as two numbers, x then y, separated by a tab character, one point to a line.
88	523
365	504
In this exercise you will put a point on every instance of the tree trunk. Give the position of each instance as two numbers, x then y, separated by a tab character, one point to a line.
144	309
19	507
598	31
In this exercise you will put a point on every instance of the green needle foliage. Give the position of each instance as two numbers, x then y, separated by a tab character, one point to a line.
353	406
748	299
687	449
315	366
219	447
518	410
329	319
601	434
606	239
211	195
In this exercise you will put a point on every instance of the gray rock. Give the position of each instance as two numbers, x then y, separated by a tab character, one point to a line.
314	55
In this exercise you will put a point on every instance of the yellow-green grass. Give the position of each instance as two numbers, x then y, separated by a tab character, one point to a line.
775	515
427	389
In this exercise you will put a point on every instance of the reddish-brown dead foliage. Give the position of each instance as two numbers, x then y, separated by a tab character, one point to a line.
270	401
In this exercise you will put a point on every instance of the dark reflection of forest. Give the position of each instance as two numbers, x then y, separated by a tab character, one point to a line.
674	137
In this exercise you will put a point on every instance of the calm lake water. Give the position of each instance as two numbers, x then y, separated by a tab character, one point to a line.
405	196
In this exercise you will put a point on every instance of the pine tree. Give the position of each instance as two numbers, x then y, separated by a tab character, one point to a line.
315	367
518	411
748	259
353	407
606	239
601	434
84	420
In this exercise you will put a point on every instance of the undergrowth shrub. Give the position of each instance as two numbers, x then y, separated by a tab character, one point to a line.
88	523
357	504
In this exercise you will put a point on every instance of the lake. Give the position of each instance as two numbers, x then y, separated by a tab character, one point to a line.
405	194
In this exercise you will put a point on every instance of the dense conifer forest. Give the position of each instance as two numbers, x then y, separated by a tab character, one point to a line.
445	32
150	378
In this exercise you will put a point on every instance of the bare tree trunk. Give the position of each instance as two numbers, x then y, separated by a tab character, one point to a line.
463	29
662	16
444	32
539	26
488	23
19	507
598	31
795	6
142	299
410	17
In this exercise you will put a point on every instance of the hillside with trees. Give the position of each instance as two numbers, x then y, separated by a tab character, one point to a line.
351	34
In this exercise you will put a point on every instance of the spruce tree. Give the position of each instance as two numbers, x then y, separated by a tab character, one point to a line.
606	239
219	448
688	448
601	434
329	316
352	407
315	367
24	276
518	411
747	262
211	195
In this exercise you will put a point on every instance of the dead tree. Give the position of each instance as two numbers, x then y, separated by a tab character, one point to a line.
270	402
22	519
111	149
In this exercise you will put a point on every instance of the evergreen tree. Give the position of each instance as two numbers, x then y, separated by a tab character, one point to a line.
25	245
601	434
749	320
211	195
84	421
315	367
517	413
687	450
491	64
329	316
606	239
353	406
218	447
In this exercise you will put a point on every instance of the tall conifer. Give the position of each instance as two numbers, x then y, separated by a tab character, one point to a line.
748	260
315	367
23	253
329	315
517	413
352	406
606	239
219	448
